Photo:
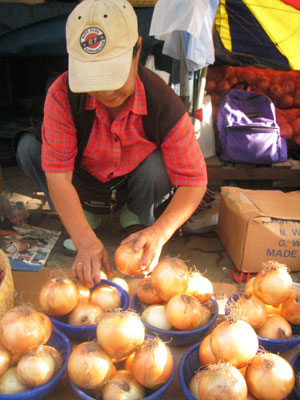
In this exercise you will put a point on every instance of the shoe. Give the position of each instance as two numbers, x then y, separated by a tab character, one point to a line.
128	218
94	221
205	218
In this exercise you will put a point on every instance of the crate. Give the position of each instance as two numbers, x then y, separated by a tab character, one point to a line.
279	175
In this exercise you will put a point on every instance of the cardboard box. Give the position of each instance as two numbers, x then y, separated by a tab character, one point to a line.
256	226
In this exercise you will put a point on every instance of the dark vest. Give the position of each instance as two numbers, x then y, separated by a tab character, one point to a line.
164	108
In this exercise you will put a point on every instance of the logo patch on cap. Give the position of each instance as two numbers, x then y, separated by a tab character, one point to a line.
92	40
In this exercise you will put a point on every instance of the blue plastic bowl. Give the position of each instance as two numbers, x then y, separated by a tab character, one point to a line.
175	337
187	368
295	363
189	364
150	394
272	345
62	344
88	332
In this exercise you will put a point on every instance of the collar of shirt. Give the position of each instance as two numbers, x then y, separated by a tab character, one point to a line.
136	104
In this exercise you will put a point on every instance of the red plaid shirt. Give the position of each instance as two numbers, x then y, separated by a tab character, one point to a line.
116	148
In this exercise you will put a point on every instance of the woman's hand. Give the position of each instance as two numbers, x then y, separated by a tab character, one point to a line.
91	257
152	242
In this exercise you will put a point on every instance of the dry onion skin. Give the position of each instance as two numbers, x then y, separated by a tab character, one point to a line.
58	296
206	355
273	284
156	315
270	377
120	333
47	325
122	386
21	329
222	381
146	292
84	293
193	385
153	363
36	368
184	312
108	297
290	308
170	277
127	260
200	287
249	286
251	309
89	366
234	341
85	313
276	327
10	383
5	359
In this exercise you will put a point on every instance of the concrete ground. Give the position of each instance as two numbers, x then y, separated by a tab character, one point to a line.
204	251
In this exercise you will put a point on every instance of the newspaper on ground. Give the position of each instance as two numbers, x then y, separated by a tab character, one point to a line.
28	247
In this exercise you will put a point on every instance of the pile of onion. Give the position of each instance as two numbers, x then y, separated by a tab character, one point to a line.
174	297
62	297
25	360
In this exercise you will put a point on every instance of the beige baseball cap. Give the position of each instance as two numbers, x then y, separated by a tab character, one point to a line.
100	37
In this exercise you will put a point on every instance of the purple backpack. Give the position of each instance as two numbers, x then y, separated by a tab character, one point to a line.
248	132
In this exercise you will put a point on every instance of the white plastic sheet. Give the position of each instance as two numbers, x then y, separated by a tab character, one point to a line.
188	21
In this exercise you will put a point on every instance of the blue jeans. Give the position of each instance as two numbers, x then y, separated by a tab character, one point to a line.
148	185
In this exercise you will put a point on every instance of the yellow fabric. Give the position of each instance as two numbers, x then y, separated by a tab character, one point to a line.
282	24
280	21
222	25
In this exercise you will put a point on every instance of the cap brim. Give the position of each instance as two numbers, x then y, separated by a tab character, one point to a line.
99	75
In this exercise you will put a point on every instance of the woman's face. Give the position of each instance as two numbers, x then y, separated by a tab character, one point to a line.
116	98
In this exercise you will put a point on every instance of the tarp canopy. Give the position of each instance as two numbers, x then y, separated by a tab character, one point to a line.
264	33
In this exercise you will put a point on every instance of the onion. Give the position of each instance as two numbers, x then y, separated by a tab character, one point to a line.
249	286
123	386
21	329
222	381
273	284
15	358
107	297
194	384
58	296
290	308
5	359
120	333
146	292
251	309
89	366
206	356
48	326
207	312
121	282
127	260
35	368
199	287
84	293
272	310
235	342
156	315
270	377
55	354
275	327
85	313
170	277
184	312
10	383
153	363
128	362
